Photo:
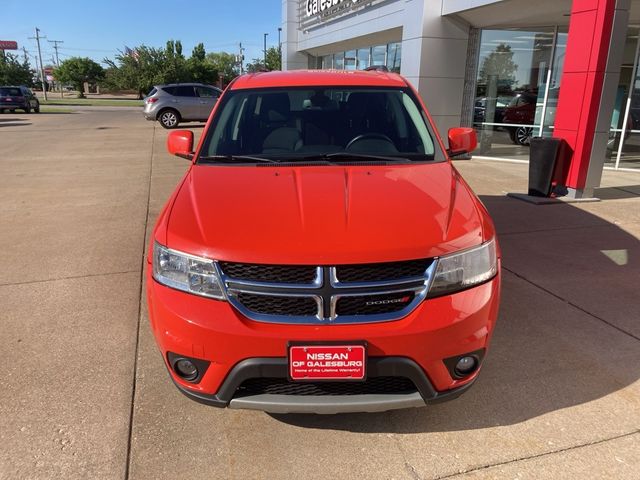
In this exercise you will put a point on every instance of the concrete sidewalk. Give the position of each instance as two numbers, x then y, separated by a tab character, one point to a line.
85	393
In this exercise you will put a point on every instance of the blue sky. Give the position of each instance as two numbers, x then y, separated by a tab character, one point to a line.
99	29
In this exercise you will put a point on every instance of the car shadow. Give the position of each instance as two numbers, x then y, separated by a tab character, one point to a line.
13	122
549	352
52	112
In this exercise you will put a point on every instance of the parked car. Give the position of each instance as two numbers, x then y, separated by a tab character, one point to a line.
521	112
180	102
480	107
14	98
322	253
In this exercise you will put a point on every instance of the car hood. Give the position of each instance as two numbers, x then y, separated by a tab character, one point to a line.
323	214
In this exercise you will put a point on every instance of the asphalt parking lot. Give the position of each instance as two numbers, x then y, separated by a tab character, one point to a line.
84	393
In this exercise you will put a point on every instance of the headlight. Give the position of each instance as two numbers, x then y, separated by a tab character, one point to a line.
186	272
464	269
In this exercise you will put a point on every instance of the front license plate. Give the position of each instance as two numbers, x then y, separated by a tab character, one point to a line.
327	362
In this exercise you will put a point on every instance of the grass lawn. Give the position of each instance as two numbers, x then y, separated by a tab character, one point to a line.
49	109
92	102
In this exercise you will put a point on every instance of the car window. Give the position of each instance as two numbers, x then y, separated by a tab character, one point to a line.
205	92
185	91
170	90
153	91
10	91
303	121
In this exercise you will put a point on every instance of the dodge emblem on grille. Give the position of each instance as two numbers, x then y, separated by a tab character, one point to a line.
387	301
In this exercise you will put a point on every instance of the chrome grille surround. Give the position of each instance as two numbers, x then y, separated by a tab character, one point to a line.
326	290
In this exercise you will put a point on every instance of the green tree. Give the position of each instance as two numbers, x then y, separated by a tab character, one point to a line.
14	72
500	63
274	61
224	64
200	70
77	70
138	69
175	65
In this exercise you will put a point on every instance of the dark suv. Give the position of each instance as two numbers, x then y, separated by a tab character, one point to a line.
13	98
180	102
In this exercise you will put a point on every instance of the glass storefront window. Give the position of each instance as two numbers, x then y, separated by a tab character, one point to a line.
625	153
363	58
512	75
379	55
350	60
394	55
327	62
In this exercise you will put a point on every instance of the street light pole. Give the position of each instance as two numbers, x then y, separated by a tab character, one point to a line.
265	49
279	42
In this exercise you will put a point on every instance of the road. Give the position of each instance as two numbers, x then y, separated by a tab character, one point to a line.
84	393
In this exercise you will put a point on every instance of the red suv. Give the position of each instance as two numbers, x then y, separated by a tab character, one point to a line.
322	254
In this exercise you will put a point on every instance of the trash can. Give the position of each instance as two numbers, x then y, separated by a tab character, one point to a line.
548	159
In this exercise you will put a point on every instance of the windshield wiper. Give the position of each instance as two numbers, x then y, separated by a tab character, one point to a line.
348	156
234	159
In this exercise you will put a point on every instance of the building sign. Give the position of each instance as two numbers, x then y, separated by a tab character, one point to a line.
8	45
313	13
327	7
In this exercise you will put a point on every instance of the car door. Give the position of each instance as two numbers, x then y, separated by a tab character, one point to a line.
30	97
188	103
207	97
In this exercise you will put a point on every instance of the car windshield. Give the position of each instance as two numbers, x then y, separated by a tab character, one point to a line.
10	92
319	123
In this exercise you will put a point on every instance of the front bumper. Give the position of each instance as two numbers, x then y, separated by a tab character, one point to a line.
235	346
278	403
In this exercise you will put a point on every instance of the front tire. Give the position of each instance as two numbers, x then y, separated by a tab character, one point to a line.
36	109
27	109
169	118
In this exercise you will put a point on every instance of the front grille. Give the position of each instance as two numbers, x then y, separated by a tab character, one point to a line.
276	305
374	304
377	272
340	294
301	274
281	386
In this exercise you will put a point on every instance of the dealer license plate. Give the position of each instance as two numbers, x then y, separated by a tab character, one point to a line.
327	362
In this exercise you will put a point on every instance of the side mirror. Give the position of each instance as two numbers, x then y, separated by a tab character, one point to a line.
180	143
462	140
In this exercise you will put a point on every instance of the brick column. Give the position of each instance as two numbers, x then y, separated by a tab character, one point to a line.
595	45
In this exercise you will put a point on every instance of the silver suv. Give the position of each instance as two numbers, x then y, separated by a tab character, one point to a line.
180	102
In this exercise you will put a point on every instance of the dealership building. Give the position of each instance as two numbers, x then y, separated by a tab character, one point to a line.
511	68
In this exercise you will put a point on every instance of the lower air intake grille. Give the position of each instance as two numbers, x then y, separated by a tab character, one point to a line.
280	386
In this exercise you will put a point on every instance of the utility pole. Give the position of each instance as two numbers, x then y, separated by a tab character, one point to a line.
265	50
280	46
44	86
241	59
55	47
26	54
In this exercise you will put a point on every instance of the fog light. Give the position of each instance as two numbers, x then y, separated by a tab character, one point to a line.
466	365
186	369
